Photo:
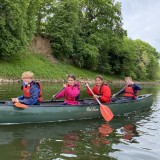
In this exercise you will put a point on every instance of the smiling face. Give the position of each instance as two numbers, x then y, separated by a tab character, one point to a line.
27	77
27	80
98	81
71	81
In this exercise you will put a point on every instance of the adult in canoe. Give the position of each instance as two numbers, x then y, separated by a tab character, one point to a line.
32	91
130	91
101	90
70	91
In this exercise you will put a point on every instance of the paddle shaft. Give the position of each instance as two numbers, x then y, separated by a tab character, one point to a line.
57	93
65	81
119	91
93	94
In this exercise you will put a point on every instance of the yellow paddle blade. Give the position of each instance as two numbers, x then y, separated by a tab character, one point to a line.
20	105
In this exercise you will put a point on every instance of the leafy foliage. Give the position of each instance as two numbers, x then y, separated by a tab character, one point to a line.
138	60
16	25
61	27
86	33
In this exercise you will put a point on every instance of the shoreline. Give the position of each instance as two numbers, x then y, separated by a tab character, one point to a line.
81	80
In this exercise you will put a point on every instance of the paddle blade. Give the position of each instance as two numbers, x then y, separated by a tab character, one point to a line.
20	105
106	112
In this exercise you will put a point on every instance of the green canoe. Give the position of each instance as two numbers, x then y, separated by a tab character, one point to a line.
49	111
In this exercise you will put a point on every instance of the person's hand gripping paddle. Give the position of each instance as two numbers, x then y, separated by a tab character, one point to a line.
105	110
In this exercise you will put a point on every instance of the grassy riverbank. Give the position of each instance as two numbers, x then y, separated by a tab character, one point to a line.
46	70
43	68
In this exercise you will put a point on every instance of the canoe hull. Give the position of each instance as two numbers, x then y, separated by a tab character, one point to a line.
47	112
124	108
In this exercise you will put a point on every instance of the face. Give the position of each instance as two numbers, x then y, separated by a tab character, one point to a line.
71	81
26	80
128	82
98	82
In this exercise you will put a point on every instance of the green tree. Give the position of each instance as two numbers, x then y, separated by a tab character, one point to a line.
85	31
61	26
147	62
137	59
17	25
90	34
101	28
126	59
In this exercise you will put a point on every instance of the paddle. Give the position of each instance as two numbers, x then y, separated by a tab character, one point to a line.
119	91
57	94
20	105
105	111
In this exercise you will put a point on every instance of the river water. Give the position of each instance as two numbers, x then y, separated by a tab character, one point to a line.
135	137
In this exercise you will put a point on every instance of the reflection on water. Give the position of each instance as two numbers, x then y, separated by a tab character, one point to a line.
75	139
129	138
129	131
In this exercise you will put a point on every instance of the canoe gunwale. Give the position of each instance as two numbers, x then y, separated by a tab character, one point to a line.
83	102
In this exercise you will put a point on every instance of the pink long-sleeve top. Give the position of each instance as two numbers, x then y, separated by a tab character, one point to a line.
70	93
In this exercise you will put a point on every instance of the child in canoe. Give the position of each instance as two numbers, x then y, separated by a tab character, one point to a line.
101	90
32	91
130	91
70	91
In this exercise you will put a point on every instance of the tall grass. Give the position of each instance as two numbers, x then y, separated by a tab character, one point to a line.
42	67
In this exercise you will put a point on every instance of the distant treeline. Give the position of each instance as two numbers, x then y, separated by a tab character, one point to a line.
87	32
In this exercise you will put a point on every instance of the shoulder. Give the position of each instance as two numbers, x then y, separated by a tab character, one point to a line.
105	86
135	85
34	85
77	84
76	87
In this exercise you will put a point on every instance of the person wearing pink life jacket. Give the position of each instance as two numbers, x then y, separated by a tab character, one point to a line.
130	91
70	92
101	90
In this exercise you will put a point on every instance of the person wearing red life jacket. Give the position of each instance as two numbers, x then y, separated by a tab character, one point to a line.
130	91
101	90
32	91
70	92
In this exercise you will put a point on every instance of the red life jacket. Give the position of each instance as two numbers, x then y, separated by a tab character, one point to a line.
26	90
129	92
100	89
